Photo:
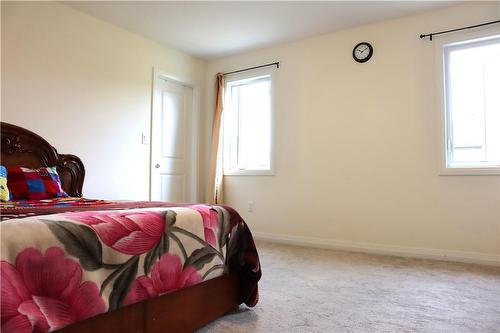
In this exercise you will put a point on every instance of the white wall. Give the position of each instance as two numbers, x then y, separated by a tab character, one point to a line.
357	146
85	86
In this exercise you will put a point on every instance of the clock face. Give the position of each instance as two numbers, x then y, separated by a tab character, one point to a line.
362	52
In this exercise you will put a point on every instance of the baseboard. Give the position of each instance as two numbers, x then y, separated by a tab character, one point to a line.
373	248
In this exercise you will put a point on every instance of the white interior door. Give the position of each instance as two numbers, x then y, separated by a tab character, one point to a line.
173	158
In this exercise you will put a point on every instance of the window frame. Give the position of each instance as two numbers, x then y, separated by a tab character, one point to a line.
452	41
249	75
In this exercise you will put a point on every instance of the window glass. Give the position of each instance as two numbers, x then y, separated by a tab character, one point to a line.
472	72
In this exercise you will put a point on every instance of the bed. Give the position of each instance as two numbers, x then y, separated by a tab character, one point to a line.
79	265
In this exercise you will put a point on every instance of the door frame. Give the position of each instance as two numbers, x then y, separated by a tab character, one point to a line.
160	74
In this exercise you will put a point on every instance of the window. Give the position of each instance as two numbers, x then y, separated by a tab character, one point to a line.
472	105
247	126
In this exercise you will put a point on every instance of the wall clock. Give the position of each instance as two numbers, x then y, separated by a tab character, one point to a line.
362	52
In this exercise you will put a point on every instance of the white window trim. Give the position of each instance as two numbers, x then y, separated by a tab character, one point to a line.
271	71
440	42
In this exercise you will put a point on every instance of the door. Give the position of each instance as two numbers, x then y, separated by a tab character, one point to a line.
173	158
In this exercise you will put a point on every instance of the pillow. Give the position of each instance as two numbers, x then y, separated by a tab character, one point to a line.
4	190
34	184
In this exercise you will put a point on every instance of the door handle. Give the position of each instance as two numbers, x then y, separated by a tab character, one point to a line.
157	165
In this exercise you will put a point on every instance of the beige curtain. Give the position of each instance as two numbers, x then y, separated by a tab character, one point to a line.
215	175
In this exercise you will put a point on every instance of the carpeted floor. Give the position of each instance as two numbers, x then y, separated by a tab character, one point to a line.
313	290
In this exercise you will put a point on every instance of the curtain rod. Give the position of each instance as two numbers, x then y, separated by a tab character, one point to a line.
458	29
277	64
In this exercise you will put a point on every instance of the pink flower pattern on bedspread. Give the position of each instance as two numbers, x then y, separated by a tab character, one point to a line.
209	216
44	292
167	275
126	232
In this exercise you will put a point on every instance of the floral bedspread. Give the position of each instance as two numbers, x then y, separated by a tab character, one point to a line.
60	268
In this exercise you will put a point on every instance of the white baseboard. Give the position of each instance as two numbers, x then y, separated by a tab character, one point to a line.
373	248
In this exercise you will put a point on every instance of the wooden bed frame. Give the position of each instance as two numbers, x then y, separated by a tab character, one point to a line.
182	311
21	147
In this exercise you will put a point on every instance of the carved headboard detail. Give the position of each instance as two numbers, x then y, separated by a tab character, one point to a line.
21	147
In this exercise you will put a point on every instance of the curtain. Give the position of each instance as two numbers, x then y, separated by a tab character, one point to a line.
215	193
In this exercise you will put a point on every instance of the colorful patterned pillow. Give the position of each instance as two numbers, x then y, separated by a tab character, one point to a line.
34	184
4	190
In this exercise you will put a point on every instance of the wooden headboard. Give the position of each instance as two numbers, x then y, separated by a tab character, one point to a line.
21	147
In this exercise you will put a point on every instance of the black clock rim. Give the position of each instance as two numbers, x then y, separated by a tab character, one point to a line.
370	53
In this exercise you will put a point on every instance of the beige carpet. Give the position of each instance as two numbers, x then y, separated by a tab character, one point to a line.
312	290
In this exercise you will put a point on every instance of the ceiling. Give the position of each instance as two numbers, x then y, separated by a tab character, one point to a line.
213	29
